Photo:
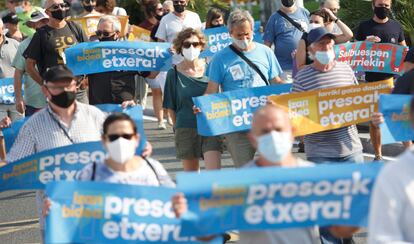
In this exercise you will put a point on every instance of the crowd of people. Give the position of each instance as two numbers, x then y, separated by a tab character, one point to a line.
298	48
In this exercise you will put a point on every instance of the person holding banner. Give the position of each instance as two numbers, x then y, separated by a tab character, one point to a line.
244	64
33	99
185	81
392	202
380	28
47	48
114	86
338	145
272	135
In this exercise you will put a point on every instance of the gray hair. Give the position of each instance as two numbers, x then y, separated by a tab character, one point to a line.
238	17
322	3
116	25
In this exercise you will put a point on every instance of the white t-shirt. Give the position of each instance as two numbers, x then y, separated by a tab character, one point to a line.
286	236
391	217
171	25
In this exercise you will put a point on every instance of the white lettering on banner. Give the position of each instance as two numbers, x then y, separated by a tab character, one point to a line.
348	101
7	94
142	232
71	158
149	53
147	57
280	212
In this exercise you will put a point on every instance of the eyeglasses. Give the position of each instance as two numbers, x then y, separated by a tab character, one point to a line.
188	44
58	6
115	137
104	33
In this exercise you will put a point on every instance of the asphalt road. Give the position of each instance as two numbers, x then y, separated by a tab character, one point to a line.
18	218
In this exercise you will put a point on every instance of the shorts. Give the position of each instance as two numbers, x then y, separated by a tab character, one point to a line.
10	111
190	145
157	82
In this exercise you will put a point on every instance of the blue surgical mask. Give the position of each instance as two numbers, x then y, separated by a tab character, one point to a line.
242	44
275	145
325	57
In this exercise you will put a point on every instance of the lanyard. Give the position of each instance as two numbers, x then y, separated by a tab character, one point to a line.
60	126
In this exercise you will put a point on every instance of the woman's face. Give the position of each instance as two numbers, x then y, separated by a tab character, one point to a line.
316	19
193	40
217	22
120	128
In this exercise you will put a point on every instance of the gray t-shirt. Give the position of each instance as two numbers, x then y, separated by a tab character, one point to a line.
143	176
285	236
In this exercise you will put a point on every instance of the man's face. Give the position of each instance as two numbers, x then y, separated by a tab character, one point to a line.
88	3
13	6
324	45
55	5
268	120
56	88
242	31
106	30
383	3
333	6
11	27
180	2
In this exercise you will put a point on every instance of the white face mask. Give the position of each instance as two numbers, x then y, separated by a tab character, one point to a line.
312	26
242	44
121	150
275	145
19	9
191	53
325	57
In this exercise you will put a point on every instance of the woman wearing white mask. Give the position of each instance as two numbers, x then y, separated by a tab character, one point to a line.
185	81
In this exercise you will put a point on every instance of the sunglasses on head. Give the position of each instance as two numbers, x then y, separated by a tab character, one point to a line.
104	33
115	137
58	5
188	44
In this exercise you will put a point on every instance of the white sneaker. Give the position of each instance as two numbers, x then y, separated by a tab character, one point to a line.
162	126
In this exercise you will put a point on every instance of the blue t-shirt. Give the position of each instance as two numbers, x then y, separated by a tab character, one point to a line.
285	36
232	73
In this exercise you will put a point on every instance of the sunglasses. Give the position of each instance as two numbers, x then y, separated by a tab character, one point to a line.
115	137
58	6
104	33
188	44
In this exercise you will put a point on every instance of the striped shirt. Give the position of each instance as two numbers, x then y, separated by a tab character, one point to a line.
42	131
335	143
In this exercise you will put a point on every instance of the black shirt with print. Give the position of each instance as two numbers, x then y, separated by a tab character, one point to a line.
48	45
389	32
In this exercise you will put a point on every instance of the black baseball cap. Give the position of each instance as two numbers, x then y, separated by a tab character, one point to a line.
317	34
10	18
58	73
410	56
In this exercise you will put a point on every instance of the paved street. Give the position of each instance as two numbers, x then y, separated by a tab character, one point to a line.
18	219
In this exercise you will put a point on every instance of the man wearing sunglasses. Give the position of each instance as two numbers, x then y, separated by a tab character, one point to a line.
49	43
114	86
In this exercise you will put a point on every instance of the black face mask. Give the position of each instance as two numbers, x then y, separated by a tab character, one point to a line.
107	39
382	12
179	8
88	8
59	14
64	99
288	3
158	17
214	26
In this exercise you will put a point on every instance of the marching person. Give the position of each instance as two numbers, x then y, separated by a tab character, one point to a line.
185	81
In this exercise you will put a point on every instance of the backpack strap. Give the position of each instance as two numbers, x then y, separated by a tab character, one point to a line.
74	29
153	170
294	23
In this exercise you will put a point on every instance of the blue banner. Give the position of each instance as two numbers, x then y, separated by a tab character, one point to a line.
97	57
218	38
85	212
276	198
370	56
397	125
57	164
7	95
232	111
135	112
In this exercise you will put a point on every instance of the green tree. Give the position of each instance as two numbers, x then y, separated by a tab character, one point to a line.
404	13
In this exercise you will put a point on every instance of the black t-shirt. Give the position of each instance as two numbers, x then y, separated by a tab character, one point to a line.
389	32
111	87
48	45
405	84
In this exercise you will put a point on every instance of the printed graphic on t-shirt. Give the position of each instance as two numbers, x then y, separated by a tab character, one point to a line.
236	72
61	43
